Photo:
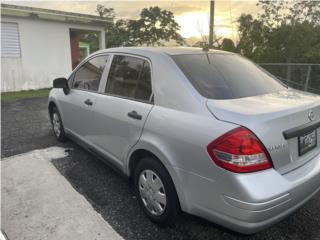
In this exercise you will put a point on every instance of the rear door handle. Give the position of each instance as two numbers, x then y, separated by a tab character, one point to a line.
135	115
88	102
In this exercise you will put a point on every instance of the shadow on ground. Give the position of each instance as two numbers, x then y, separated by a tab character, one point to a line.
113	197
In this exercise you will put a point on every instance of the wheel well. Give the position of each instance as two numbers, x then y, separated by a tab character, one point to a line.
52	105
136	157
139	155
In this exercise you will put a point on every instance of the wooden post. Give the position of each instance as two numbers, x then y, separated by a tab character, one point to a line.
211	24
102	39
306	86
288	77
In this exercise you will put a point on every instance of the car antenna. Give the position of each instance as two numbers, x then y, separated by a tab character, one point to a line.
206	49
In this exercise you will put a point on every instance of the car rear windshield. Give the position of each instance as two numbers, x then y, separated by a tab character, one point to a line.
226	76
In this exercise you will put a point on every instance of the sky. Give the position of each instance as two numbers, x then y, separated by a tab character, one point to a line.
192	16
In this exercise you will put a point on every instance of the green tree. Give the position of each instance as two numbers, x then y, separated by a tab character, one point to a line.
228	45
295	43
118	35
277	13
286	31
105	12
252	37
154	27
273	15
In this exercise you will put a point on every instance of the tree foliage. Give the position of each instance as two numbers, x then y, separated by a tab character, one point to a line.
286	31
154	27
118	35
252	35
277	13
228	45
105	12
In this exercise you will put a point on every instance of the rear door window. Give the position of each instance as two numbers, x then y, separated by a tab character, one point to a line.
226	76
129	77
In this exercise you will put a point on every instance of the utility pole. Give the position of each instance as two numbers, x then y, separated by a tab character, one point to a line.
211	24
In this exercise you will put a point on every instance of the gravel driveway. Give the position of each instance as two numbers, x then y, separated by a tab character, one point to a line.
25	127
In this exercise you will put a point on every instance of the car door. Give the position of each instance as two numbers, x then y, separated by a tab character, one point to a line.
78	106
124	107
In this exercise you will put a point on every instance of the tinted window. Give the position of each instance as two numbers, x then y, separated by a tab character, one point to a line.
129	77
226	76
89	74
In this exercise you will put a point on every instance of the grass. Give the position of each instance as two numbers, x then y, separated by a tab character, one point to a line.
13	96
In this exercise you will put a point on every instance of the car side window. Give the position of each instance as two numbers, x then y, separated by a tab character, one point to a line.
88	76
129	77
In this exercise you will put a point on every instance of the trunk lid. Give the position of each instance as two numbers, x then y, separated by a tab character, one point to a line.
268	116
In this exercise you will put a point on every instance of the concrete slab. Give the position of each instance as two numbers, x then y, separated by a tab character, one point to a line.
39	203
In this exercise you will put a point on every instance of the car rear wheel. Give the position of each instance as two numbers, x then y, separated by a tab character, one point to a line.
57	125
155	191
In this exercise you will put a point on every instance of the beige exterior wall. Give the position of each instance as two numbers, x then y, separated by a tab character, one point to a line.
45	54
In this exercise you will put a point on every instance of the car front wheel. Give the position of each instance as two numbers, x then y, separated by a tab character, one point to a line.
57	125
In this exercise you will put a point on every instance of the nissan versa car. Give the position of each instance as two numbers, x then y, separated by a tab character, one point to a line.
206	132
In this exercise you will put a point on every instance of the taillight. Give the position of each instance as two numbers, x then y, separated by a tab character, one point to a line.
240	151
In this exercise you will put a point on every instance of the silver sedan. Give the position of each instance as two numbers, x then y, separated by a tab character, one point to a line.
204	132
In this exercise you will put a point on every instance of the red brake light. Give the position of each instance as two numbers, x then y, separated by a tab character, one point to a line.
240	151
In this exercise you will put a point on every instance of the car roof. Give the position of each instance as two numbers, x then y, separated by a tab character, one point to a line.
162	50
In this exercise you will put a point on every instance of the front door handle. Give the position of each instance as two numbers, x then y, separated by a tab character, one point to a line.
135	115
88	102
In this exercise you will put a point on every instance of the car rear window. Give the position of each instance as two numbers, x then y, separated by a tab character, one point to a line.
226	76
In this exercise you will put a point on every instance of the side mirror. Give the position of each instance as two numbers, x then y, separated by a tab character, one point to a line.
61	83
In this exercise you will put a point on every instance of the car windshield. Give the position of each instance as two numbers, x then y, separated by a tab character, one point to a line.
226	76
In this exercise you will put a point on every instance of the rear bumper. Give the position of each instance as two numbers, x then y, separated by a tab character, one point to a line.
249	203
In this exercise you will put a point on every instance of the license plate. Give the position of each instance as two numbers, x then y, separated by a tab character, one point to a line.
307	142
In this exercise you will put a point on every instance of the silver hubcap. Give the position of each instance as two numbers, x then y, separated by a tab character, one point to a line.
152	192
56	124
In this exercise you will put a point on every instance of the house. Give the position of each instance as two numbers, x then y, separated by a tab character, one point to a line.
38	45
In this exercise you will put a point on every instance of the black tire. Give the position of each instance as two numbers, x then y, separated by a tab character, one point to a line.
172	207
60	136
